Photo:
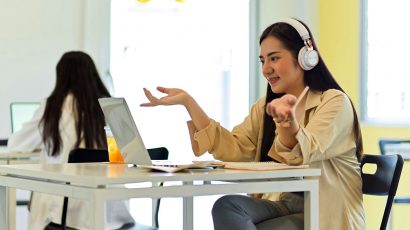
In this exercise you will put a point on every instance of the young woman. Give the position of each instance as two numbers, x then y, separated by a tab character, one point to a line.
322	130
70	118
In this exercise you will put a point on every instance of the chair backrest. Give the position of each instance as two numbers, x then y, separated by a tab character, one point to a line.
88	155
160	153
3	142
384	181
82	155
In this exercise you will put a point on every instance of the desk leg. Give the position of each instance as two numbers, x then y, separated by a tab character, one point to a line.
311	208
7	208
153	212
4	204
98	216
12	208
188	211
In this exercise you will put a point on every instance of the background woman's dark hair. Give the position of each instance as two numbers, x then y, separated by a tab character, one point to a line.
78	76
319	79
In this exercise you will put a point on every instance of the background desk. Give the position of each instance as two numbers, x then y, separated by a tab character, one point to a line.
8	158
11	158
91	181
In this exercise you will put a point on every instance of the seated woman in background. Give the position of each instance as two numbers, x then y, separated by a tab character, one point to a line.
70	118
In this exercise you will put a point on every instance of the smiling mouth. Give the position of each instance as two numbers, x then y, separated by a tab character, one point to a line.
272	80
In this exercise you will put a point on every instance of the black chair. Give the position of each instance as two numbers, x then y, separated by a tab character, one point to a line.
382	146
96	155
3	142
384	181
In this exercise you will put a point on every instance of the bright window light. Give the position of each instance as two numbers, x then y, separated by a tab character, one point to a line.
201	46
386	84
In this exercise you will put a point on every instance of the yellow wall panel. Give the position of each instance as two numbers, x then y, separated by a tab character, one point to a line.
339	45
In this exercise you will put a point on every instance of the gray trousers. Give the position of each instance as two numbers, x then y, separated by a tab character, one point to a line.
238	212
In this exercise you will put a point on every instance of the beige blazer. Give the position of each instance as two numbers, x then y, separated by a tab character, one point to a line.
325	141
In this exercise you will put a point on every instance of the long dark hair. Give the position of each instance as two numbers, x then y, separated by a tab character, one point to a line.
319	79
76	76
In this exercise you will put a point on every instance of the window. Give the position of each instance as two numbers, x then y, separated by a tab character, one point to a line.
201	46
386	72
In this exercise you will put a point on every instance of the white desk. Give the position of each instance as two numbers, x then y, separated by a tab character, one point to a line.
400	148
9	158
91	180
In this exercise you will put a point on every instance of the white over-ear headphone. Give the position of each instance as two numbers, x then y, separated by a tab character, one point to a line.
308	57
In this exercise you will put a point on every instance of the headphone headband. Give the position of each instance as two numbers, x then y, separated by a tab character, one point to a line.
299	27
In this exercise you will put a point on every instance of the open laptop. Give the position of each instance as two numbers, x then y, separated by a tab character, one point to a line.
118	116
21	112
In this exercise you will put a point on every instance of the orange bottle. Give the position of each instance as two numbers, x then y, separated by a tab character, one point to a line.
114	154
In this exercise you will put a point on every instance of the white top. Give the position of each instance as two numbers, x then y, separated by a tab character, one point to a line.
46	208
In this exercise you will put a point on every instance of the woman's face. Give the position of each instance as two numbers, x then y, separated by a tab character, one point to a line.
280	68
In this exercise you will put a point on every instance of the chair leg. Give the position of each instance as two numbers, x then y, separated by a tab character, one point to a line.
155	209
64	214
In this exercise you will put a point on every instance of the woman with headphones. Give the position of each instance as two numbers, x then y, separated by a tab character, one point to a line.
305	118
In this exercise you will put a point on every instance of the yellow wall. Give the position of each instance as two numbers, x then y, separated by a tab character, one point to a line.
339	45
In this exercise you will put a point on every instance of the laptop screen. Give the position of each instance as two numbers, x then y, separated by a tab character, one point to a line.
21	112
124	129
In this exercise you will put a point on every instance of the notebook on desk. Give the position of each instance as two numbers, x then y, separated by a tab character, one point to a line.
260	166
129	141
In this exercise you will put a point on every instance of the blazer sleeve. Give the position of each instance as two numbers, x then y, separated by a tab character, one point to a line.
238	145
328	133
28	138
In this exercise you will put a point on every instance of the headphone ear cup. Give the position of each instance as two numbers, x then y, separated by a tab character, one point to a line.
307	58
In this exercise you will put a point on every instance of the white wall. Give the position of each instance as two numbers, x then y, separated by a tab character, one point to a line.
33	36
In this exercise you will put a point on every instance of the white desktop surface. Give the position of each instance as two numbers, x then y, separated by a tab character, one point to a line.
91	181
96	174
6	154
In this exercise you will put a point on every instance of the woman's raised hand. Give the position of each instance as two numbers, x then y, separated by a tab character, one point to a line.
282	109
179	97
174	97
